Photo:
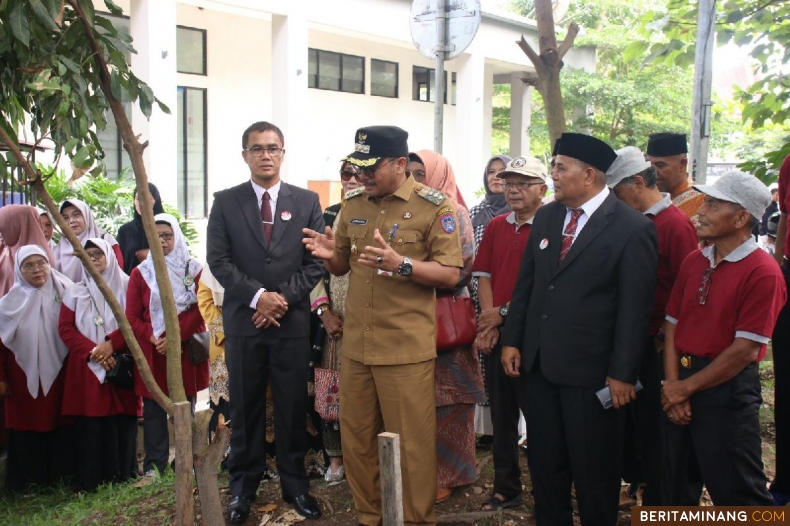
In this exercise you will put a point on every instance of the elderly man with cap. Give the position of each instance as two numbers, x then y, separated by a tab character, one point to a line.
577	323
668	152
633	180
719	319
398	239
496	268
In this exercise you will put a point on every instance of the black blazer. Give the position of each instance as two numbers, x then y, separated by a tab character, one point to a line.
589	315
242	261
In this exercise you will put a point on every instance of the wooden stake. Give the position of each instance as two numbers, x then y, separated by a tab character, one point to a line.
391	483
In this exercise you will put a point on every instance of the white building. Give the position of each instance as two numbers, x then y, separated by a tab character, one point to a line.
319	69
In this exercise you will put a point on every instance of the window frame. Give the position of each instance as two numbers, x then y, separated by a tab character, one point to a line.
205	50
448	84
397	78
341	56
185	154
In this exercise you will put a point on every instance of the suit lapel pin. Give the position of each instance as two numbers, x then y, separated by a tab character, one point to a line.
544	243
285	216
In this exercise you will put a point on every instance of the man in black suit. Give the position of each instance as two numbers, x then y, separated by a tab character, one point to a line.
577	322
254	249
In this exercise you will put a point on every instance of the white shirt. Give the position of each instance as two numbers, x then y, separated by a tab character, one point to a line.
588	209
274	193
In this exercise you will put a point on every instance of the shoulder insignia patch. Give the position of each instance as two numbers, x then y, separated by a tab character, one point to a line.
448	223
445	210
429	194
355	192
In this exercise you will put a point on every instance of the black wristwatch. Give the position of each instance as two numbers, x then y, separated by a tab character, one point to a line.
405	269
503	311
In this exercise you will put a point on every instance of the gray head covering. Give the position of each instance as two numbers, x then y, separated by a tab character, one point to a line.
741	188
630	161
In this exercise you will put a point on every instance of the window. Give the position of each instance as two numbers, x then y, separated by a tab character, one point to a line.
424	85
191	50
335	71
191	175
383	78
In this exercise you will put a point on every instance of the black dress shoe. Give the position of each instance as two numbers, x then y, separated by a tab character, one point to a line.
238	509
305	505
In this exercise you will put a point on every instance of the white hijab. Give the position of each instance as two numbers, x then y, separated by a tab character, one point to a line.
67	262
179	265
29	324
93	316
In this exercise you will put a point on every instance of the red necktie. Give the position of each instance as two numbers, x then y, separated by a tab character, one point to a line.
266	216
570	232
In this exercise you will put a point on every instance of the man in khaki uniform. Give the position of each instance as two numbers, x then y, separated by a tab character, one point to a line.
398	238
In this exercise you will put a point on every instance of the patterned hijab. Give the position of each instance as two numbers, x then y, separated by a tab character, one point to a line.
19	226
181	269
29	323
494	204
68	263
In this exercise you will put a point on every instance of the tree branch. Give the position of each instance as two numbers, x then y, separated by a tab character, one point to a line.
527	49
567	43
175	383
79	251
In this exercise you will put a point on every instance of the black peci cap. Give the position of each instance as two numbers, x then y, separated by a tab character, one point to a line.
375	142
587	149
666	144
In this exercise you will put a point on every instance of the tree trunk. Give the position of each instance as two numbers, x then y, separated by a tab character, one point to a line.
182	421
207	458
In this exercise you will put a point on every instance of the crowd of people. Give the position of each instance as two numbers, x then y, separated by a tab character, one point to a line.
617	323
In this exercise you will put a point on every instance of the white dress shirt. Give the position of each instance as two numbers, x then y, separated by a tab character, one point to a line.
274	193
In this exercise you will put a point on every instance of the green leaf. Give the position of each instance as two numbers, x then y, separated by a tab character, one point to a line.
70	145
19	24
113	7
83	158
163	106
87	8
43	15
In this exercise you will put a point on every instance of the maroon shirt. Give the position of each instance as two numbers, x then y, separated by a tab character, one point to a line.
195	376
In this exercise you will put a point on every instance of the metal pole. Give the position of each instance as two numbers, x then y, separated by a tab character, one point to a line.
441	43
703	76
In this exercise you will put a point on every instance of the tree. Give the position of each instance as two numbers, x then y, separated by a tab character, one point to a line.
762	25
64	69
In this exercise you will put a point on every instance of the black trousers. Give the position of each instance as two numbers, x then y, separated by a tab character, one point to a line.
39	458
507	398
127	446
781	357
644	444
98	458
722	443
572	440
156	437
285	361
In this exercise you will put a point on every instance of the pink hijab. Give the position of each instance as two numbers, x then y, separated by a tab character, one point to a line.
19	226
439	176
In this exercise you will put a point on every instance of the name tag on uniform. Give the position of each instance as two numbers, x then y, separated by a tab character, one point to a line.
359	222
382	272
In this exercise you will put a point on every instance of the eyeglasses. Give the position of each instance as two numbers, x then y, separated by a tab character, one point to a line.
32	267
419	175
370	171
704	289
520	185
257	150
76	214
347	175
95	255
166	237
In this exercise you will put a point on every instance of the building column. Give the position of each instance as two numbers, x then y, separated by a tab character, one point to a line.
153	27
473	143
289	89
520	115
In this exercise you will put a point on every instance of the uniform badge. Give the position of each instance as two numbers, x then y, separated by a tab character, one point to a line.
188	280
406	215
544	243
58	299
98	321
358	222
354	248
448	223
286	215
518	162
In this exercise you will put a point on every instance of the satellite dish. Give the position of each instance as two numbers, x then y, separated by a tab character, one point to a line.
463	20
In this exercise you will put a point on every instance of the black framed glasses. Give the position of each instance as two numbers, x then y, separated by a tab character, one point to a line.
166	236
370	171
347	174
258	150
704	289
32	267
95	255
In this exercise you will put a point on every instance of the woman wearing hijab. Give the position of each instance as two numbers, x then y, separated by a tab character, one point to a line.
48	226
32	373
131	236
146	315
105	414
19	226
492	205
81	221
458	381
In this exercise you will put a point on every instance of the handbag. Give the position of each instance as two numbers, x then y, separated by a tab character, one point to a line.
456	322
198	345
122	374
327	394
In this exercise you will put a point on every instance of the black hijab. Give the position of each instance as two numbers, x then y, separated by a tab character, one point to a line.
494	204
131	236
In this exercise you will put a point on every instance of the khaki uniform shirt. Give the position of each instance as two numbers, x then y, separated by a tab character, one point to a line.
391	320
